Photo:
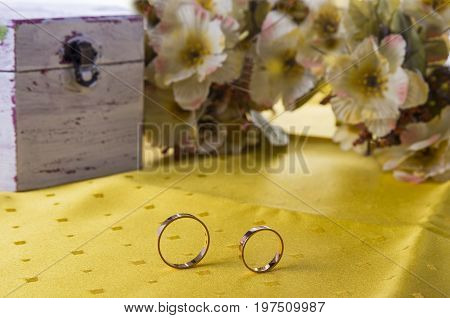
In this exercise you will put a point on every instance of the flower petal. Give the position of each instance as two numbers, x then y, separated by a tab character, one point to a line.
315	4
398	87
414	133
261	89
380	108
339	74
393	48
409	177
230	28
419	136
346	135
191	16
223	7
346	110
417	92
423	144
170	71
190	94
210	65
231	69
274	27
214	35
365	49
391	157
381	127
168	63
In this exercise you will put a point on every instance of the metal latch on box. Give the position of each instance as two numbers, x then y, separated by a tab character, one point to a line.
81	53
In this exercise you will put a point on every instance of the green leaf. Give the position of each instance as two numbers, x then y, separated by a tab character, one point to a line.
416	58
274	134
3	32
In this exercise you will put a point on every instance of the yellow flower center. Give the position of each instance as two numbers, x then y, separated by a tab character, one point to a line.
274	66
195	51
374	84
327	21
285	64
331	43
438	5
206	4
296	9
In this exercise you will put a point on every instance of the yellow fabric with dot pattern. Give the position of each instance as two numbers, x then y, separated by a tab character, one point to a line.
366	234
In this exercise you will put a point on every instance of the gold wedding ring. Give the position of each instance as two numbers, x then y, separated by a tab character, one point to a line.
276	258
200	255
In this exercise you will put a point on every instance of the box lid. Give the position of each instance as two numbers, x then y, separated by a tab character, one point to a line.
33	33
46	9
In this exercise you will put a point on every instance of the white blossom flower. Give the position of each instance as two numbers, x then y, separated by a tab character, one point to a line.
424	152
195	48
167	11
371	86
276	73
189	54
328	32
323	36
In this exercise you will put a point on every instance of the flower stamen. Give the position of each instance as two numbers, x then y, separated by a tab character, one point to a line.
206	4
374	84
194	52
285	64
328	21
297	9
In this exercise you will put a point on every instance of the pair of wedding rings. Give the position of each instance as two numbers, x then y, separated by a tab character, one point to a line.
242	244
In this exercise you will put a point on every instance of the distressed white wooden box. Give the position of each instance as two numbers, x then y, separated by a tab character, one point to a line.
54	130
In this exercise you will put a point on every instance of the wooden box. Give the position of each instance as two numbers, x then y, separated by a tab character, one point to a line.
71	100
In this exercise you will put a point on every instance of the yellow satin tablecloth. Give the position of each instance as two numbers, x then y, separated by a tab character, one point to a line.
350	231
